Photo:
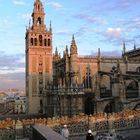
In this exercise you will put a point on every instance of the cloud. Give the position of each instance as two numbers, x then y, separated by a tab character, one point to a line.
79	32
26	16
18	2
137	37
130	27
113	32
132	24
6	23
90	19
62	32
114	35
114	53
83	30
12	80
55	5
12	71
122	5
6	70
106	7
11	63
126	3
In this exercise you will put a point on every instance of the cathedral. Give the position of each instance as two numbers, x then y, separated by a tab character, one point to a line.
72	85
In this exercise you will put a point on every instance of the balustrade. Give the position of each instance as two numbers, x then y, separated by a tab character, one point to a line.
78	125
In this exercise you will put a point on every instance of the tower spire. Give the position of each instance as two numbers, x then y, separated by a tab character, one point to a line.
38	14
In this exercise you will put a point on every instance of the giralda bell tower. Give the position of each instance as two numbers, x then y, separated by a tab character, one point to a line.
38	58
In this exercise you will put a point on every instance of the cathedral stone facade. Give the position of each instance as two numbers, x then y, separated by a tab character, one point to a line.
71	84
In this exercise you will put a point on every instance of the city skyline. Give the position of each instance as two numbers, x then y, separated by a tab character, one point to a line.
101	24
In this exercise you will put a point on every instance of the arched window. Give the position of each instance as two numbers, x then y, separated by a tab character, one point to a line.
35	40
132	89
132	85
87	79
39	21
41	102
40	40
109	108
38	7
45	42
32	42
49	42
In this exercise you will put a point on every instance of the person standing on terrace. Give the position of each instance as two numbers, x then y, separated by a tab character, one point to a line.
65	132
89	135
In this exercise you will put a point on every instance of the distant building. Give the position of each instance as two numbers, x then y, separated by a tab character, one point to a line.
74	84
20	105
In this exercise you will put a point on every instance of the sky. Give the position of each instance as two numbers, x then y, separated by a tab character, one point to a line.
103	24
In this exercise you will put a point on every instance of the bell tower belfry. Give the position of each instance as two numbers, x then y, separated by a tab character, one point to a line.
38	58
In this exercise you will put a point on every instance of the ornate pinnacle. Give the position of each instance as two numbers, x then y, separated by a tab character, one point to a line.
73	49
134	46
50	26
56	51
66	50
73	41
124	47
99	53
